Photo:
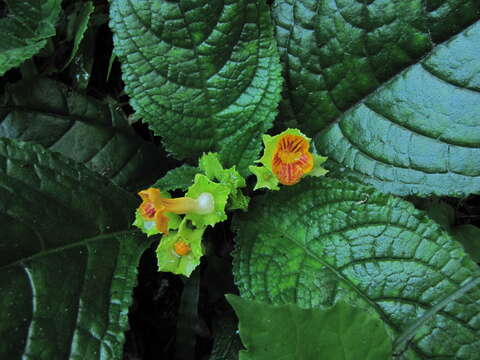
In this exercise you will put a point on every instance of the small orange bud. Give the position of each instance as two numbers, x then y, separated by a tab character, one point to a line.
181	248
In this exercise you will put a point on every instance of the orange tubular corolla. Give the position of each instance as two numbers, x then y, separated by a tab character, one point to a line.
154	206
291	159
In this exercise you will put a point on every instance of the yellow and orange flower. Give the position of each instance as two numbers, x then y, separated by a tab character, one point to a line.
286	159
154	206
291	159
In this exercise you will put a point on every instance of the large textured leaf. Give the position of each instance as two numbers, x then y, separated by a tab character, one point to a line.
319	242
79	127
390	87
24	30
68	264
204	74
287	332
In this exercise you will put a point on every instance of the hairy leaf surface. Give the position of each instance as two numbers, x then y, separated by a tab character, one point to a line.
24	30
204	74
391	88
315	243
68	264
88	131
287	332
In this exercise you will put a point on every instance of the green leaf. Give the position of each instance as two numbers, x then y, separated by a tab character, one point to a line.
469	236
78	25
180	178
391	89
79	127
340	332
204	75
68	262
24	30
80	69
325	241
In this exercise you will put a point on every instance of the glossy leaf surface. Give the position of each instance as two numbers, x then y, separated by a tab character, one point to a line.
391	89
68	262
86	130
318	242
204	74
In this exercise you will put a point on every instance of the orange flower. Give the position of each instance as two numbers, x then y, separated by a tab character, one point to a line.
154	206
291	159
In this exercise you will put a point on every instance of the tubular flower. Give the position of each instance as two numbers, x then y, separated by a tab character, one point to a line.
291	159
154	207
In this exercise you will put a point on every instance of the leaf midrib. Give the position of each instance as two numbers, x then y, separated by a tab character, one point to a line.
415	325
410	331
340	276
418	61
66	247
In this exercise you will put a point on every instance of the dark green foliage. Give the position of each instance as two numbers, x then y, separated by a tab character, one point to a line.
67	264
25	29
203	74
327	269
390	89
84	129
341	332
320	242
77	26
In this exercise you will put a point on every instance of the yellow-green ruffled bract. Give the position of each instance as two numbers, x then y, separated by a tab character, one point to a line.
158	214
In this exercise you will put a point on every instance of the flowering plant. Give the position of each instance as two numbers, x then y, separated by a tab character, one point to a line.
286	159
153	112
